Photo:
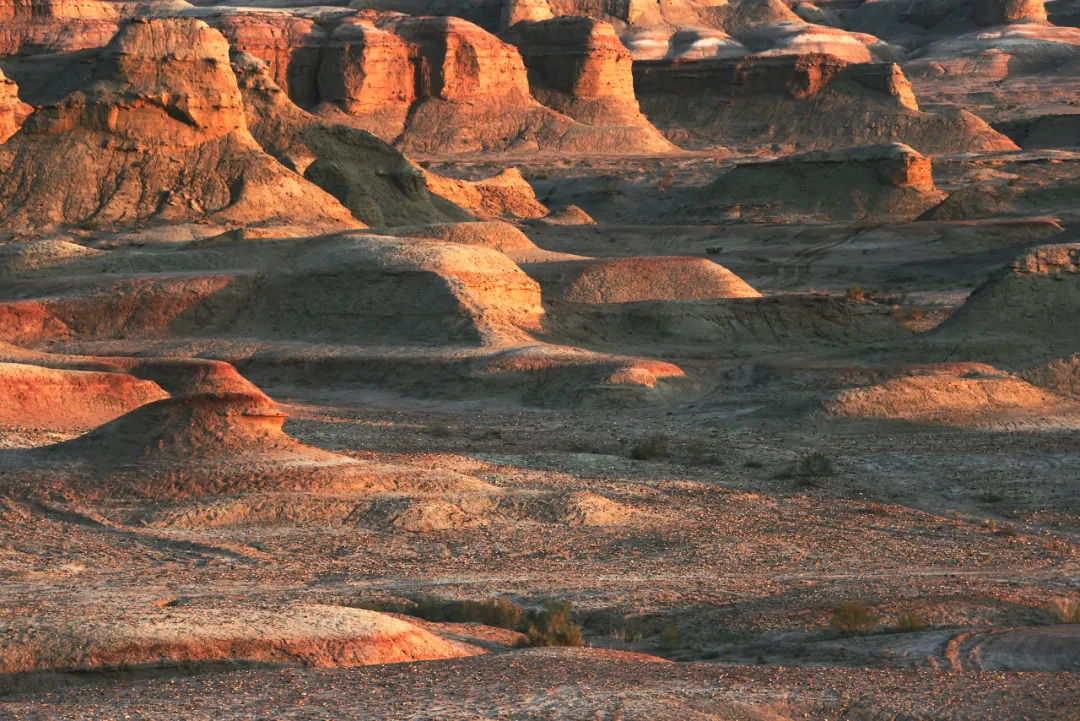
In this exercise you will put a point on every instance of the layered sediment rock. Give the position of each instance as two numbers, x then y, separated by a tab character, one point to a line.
369	177
12	110
55	25
579	67
876	182
290	46
159	134
999	12
801	102
367	73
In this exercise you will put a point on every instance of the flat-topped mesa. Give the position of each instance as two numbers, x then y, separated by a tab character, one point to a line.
57	9
578	66
367	73
1001	12
799	76
161	82
55	26
12	110
290	46
799	102
878	182
460	62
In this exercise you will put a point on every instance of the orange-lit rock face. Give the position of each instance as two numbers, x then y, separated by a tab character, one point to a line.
168	82
459	61
365	69
579	56
55	25
59	9
999	12
289	46
12	110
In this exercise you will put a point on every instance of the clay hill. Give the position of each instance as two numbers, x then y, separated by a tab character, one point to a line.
158	135
803	102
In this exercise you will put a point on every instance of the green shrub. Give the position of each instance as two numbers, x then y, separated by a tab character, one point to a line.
646	449
553	627
1065	610
854	617
910	622
670	638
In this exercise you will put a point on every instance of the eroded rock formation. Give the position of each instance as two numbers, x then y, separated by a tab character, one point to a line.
158	135
800	102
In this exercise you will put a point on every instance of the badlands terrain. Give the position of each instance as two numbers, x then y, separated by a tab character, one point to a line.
540	359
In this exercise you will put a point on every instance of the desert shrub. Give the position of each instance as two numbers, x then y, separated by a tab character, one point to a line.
909	622
670	637
611	188
854	617
910	314
1064	610
855	293
1061	376
553	627
655	446
815	465
493	612
438	430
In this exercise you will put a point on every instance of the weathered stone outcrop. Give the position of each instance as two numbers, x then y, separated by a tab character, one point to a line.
803	102
472	94
55	25
367	73
369	177
999	12
12	110
877	182
578	66
158	135
290	46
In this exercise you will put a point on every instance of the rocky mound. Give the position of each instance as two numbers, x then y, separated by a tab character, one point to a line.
205	444
803	102
158	135
628	280
578	67
1024	314
35	397
395	292
182	377
568	215
55	26
495	235
186	637
506	195
378	185
12	110
1044	131
874	182
954	401
36	255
